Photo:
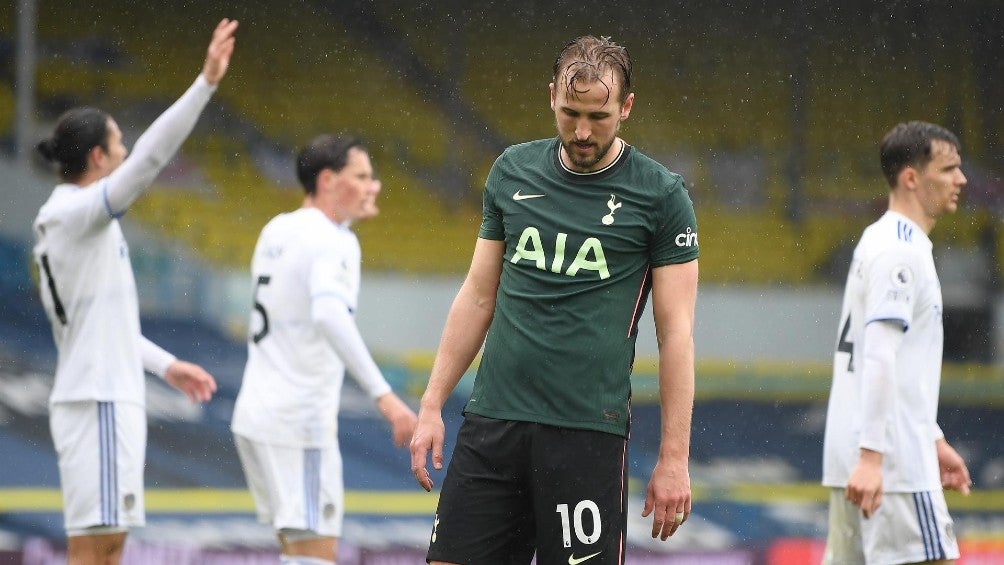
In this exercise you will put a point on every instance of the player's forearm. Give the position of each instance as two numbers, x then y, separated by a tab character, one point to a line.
676	395
880	344
155	359
332	317
158	144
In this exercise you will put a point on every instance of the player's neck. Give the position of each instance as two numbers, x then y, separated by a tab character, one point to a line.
911	208
330	211
87	179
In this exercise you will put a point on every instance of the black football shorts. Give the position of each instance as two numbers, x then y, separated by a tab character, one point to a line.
514	488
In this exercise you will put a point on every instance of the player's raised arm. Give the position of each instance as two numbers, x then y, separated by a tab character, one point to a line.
158	144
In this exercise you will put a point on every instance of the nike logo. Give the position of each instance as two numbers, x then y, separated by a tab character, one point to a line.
519	196
572	560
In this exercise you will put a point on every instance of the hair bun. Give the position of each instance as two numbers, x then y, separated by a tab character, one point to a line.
47	147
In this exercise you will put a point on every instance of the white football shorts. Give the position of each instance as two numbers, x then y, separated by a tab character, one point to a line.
101	447
908	527
295	488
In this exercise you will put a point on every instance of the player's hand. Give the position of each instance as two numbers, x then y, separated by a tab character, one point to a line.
402	419
191	379
668	497
221	47
429	436
954	473
864	488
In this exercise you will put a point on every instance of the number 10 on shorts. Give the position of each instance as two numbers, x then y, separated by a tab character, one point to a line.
580	531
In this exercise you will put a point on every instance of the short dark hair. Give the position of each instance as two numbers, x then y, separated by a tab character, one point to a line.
323	152
909	145
587	58
77	132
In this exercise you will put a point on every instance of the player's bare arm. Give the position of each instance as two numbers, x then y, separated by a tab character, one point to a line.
466	327
674	296
221	47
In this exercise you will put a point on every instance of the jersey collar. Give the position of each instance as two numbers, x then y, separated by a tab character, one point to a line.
603	173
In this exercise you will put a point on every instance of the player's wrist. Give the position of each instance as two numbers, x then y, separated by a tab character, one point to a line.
870	456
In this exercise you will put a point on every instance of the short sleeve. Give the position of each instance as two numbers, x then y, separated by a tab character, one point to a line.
491	216
675	235
892	287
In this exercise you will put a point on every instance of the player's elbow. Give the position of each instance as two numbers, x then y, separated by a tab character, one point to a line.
675	338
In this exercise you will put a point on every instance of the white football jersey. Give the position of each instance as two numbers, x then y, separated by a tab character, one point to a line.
293	377
89	293
85	276
892	277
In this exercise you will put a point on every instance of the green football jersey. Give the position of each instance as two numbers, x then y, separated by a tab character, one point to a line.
579	251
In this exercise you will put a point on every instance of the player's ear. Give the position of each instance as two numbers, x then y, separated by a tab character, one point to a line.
907	178
551	88
325	178
96	157
626	107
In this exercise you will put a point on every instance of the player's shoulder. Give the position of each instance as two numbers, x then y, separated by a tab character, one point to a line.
70	207
654	172
894	231
66	196
534	146
527	152
893	239
305	225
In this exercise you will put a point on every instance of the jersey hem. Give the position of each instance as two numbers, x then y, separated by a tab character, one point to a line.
538	419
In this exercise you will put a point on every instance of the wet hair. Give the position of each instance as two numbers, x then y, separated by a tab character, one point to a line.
323	152
909	145
586	59
77	132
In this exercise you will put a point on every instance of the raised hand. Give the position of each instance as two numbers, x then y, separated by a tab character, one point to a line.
221	47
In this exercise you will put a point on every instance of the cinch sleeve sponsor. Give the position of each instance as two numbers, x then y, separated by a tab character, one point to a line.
675	238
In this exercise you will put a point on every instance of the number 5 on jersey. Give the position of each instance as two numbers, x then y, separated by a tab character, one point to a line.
263	279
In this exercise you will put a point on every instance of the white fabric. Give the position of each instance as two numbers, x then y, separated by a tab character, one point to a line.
881	343
907	528
295	488
334	319
83	257
892	277
101	449
155	359
293	377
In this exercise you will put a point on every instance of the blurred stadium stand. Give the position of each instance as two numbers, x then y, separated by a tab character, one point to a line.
772	113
